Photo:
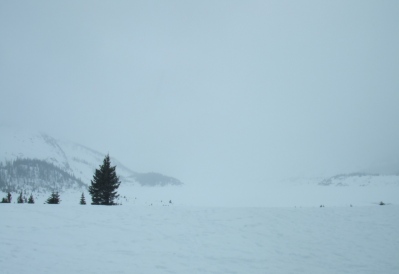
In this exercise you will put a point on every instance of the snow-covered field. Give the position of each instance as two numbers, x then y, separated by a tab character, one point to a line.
69	238
276	228
272	195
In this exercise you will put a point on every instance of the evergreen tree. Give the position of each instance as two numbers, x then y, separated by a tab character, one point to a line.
31	200
20	199
54	198
104	184
82	199
7	199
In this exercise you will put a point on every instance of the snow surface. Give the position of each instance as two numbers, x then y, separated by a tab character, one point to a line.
178	239
276	227
271	195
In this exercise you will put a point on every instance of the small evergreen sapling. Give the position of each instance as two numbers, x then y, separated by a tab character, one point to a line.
31	200
82	199
53	199
6	200
20	199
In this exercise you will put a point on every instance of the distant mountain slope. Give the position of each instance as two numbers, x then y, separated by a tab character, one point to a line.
32	175
155	179
65	158
360	179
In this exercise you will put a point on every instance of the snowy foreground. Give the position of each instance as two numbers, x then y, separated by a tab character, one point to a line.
182	239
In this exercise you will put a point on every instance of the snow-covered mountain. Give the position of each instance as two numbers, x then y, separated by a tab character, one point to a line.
361	179
28	157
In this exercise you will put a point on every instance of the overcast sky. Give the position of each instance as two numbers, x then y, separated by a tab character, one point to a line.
209	91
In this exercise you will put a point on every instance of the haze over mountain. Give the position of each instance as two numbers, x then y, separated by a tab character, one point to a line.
39	161
36	162
217	93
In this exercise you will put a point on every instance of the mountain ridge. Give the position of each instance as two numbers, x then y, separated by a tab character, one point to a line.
360	179
75	159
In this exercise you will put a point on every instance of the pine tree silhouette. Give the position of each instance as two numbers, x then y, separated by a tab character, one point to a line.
20	199
104	184
54	198
31	200
82	199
